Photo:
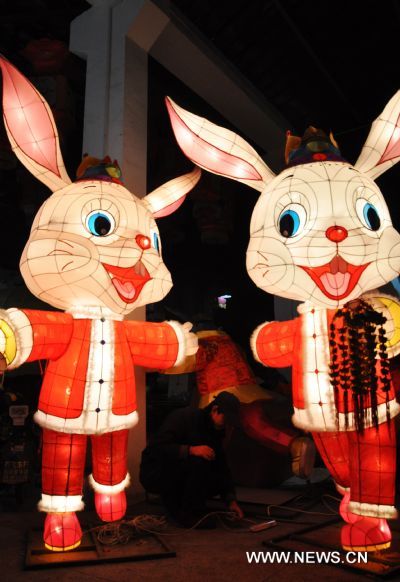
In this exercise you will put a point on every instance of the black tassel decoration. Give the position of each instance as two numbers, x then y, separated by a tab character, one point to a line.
354	370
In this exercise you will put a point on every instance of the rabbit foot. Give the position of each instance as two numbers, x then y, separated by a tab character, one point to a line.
368	534
110	507
62	532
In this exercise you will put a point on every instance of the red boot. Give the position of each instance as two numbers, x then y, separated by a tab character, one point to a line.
62	532
110	507
368	534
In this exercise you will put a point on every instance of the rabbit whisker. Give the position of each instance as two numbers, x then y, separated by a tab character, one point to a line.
262	266
58	252
66	265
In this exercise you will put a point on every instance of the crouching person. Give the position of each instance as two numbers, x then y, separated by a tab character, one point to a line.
185	462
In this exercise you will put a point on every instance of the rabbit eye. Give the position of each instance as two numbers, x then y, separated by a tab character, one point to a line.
292	220
156	241
368	214
371	217
100	223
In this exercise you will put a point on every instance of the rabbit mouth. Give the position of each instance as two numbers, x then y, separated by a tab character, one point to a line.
128	281
337	278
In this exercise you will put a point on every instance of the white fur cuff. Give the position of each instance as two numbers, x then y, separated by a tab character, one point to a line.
253	341
109	489
373	510
89	422
60	503
181	337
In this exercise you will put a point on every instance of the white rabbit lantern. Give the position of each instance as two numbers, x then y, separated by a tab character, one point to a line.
321	233
93	251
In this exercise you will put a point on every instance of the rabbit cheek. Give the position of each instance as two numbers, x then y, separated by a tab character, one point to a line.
52	261
389	255
270	264
386	263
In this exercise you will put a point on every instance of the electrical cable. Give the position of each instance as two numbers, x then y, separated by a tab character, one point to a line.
297	510
122	532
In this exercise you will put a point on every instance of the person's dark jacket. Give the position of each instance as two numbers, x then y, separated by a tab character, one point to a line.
182	429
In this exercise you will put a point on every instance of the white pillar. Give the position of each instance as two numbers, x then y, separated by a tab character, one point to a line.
116	125
115	38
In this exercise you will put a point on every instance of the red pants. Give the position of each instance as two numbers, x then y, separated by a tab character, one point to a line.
63	460
365	462
266	422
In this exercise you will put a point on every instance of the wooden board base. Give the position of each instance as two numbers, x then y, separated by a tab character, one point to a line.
324	538
141	547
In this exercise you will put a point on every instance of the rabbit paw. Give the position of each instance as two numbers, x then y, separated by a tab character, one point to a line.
192	344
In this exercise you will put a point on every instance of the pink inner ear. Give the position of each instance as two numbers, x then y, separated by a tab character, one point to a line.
27	118
169	209
208	156
393	147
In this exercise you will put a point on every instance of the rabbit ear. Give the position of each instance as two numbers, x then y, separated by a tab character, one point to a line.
382	148
31	129
216	149
168	197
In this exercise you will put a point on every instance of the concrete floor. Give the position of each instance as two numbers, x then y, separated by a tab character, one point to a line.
208	555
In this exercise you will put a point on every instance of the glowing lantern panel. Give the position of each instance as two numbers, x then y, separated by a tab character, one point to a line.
94	252
321	234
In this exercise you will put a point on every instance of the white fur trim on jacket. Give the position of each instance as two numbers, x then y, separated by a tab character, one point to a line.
181	336
253	341
22	329
85	312
109	489
83	424
373	510
60	503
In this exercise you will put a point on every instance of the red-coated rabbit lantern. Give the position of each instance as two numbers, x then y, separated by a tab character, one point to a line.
321	233
94	252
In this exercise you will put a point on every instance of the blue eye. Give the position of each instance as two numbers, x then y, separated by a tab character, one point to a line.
100	223
371	217
368	214
289	223
156	242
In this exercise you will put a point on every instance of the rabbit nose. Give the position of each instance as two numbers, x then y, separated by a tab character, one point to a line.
143	241
336	233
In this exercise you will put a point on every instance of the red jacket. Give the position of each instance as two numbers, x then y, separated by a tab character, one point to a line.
303	344
89	383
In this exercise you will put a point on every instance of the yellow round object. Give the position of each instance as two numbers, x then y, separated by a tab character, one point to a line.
10	350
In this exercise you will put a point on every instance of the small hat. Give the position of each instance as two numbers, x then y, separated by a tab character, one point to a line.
314	146
95	169
229	405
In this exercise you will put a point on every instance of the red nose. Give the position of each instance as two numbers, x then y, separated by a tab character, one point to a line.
143	241
336	233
